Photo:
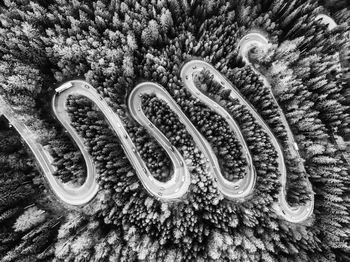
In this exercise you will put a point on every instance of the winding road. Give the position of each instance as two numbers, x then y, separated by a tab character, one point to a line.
231	190
178	185
282	208
68	194
242	188
174	188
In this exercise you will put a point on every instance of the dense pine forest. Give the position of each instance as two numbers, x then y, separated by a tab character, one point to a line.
302	78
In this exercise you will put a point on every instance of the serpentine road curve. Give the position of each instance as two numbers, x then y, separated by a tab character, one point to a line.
70	195
231	190
174	188
178	185
292	214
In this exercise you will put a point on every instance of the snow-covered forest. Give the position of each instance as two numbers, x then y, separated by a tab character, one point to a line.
289	61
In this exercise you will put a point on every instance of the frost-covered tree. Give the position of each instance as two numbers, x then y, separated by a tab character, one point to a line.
32	217
113	44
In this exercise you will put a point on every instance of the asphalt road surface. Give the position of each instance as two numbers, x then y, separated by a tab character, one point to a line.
178	185
292	214
172	189
231	190
71	195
